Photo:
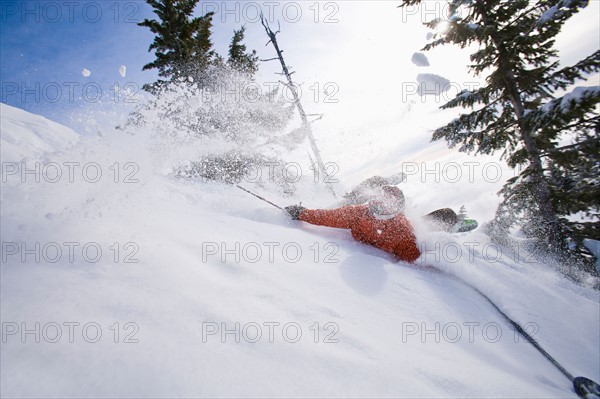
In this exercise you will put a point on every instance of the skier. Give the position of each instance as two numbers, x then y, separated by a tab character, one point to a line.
380	222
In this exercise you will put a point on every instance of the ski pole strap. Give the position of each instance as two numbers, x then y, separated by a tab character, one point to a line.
259	197
526	335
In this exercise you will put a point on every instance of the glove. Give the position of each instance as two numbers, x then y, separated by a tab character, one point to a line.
295	211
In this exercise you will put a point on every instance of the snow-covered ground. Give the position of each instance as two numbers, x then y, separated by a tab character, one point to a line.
146	286
31	137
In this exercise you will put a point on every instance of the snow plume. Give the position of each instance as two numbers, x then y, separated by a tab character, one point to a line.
159	279
229	107
228	128
98	117
420	60
431	84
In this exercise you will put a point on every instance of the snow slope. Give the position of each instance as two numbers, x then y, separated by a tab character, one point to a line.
385	329
26	136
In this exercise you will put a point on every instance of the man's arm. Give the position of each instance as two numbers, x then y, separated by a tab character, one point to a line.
342	218
406	247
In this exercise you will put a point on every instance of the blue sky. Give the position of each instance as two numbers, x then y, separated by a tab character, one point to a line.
364	47
45	45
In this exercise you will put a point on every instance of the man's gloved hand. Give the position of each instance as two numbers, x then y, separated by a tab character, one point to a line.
295	211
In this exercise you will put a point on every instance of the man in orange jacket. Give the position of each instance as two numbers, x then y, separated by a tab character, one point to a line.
380	222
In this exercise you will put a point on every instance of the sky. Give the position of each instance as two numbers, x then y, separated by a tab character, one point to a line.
347	54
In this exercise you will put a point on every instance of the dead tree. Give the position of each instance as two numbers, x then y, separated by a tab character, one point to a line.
306	125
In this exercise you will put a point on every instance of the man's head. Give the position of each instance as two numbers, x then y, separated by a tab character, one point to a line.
389	201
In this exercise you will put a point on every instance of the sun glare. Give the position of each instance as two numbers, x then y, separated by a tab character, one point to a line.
442	27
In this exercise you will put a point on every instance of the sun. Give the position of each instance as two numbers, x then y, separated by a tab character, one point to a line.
442	27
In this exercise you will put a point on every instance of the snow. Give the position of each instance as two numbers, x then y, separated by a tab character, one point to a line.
554	12
594	247
571	98
420	59
431	84
385	329
86	73
27	137
122	71
548	15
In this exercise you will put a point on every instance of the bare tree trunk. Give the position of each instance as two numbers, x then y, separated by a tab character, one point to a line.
305	124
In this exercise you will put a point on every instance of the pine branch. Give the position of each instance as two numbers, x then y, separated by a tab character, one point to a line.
563	78
571	146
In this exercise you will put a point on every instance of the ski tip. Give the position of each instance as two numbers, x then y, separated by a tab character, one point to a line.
466	225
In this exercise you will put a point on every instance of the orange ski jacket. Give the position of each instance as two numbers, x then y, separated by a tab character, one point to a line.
394	235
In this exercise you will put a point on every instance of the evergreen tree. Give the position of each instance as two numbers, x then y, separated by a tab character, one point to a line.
238	58
182	44
462	213
527	107
204	99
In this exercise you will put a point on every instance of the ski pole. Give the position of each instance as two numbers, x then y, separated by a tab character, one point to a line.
584	387
251	193
259	197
